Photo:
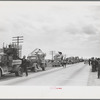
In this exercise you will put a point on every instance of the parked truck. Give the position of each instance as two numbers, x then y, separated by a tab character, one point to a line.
10	62
58	58
36	60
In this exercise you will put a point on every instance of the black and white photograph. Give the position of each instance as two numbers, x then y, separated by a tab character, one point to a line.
49	43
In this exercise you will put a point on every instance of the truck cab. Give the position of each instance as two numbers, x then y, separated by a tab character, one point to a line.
3	64
10	65
36	60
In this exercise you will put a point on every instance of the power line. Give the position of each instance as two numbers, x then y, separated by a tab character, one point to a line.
17	40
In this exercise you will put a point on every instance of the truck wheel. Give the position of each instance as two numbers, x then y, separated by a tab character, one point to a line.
34	69
0	73
43	68
19	72
16	73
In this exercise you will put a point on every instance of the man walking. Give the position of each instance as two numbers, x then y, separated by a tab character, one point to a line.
24	65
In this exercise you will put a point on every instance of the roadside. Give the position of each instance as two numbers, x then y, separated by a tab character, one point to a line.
93	79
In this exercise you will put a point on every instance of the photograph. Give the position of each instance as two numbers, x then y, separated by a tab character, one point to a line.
50	45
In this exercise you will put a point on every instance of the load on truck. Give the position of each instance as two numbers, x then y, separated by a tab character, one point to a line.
36	60
58	58
10	62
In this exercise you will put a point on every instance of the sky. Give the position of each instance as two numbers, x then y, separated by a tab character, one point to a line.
70	27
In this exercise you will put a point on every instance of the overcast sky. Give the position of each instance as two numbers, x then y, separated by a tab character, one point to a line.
72	28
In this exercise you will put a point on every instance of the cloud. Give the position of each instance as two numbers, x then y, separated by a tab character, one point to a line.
53	26
2	29
90	29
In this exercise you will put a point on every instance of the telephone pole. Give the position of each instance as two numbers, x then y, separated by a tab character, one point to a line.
52	53
17	40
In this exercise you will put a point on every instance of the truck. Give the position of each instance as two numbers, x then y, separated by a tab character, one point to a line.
73	60
58	58
10	62
36	60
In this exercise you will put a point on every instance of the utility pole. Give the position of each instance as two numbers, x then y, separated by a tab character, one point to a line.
52	53
17	40
3	44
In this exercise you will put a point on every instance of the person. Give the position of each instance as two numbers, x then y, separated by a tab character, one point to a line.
98	71
64	63
24	65
89	62
96	64
93	64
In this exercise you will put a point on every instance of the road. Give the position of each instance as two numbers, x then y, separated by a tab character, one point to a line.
72	75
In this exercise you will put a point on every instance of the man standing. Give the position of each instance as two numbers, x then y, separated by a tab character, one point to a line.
24	65
93	64
96	64
89	62
98	67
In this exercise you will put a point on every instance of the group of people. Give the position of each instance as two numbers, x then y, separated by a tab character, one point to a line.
63	63
95	63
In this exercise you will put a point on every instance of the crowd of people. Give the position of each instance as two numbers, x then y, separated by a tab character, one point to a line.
95	64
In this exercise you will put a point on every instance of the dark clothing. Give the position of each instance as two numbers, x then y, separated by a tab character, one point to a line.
89	62
98	66
24	66
63	63
93	65
26	71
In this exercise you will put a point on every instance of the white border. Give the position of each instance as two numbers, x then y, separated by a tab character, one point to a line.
47	92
